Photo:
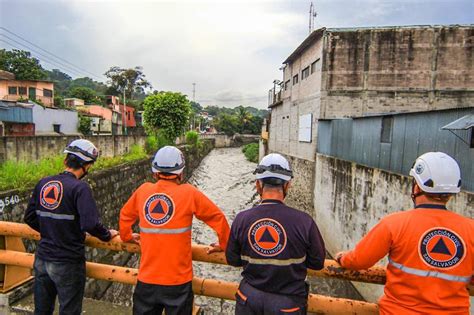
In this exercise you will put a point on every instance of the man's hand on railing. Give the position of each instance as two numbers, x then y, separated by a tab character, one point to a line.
135	238
215	248
113	233
338	257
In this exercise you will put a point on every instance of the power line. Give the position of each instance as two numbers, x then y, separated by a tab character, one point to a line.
64	60
16	47
44	57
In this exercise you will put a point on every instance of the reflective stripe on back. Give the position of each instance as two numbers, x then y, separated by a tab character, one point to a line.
274	262
165	231
57	216
429	273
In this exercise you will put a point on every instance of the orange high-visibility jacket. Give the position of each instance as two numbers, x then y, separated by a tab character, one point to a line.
165	211
431	260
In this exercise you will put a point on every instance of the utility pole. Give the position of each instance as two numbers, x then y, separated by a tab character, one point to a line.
312	16
194	100
124	124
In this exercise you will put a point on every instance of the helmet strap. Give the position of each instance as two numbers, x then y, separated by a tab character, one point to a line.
84	172
414	194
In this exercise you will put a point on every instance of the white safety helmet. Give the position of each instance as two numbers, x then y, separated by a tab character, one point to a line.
168	159
83	149
437	173
274	165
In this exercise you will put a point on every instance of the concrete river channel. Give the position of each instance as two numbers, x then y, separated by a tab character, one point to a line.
225	176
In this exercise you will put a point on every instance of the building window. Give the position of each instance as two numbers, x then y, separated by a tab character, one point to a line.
316	66
287	85
472	138
305	73
57	128
12	90
387	126
47	93
22	90
295	79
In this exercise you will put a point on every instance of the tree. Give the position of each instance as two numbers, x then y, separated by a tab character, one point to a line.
84	125
167	113
22	64
243	117
196	107
131	81
62	81
84	93
227	124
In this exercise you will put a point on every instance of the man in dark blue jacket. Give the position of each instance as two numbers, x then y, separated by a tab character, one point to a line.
62	209
275	244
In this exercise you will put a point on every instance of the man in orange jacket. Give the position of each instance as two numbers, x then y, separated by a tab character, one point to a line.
165	211
430	249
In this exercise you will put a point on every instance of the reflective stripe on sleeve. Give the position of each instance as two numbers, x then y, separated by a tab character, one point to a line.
429	273
274	262
57	216
165	231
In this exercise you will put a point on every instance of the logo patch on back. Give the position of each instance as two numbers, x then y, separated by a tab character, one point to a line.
441	248
51	194
267	237
159	209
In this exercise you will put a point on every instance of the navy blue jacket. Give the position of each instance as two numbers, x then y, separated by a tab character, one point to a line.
62	209
275	244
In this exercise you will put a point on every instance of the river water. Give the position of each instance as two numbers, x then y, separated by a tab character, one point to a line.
225	176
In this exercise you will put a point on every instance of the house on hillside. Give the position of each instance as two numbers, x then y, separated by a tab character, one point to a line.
22	90
127	112
16	119
105	121
73	102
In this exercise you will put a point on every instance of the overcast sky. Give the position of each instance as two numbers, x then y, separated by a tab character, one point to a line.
232	50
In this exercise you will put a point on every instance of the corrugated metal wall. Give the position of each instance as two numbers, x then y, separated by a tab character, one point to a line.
16	114
413	134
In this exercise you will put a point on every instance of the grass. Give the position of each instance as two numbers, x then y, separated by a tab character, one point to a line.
24	175
251	152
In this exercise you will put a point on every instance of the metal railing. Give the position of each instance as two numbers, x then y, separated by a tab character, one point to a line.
206	287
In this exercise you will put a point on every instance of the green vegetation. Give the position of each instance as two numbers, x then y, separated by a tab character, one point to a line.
239	120
24	175
84	125
155	142
192	138
251	152
167	113
22	64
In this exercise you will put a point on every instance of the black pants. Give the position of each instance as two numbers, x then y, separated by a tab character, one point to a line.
66	280
251	301
151	299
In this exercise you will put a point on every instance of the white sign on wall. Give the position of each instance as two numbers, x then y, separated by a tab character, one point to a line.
305	128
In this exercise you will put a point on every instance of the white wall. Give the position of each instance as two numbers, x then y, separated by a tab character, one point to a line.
44	118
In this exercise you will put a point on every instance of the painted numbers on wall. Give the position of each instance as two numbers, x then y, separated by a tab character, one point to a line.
7	201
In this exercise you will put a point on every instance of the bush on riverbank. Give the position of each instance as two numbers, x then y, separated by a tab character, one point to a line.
251	152
23	174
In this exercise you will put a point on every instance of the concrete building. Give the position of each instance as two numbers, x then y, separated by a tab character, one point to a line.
354	109
14	90
105	120
16	119
73	102
356	72
53	121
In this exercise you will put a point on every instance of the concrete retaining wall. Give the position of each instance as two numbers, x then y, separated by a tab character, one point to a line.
349	199
35	148
112	188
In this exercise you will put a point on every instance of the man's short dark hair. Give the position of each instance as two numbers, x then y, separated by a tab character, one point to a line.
273	182
74	162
